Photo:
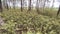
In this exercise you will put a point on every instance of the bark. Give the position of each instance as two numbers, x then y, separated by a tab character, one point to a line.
44	5
53	3
14	4
29	5
37	6
21	5
0	6
58	11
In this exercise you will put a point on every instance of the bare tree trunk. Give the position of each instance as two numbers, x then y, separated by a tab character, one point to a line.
14	4
58	11
37	7
53	3
44	5
6	5
29	5
0	6
21	5
9	4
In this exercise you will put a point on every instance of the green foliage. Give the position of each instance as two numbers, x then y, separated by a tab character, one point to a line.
40	23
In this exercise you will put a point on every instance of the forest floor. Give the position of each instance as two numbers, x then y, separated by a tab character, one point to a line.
34	22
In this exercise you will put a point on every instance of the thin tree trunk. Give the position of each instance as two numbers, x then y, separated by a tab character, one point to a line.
21	5
29	5
14	4
58	11
7	5
0	6
44	5
37	7
53	3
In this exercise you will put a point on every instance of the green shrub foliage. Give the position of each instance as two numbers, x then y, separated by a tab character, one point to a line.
17	21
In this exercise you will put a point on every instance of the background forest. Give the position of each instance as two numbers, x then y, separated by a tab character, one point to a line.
29	17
